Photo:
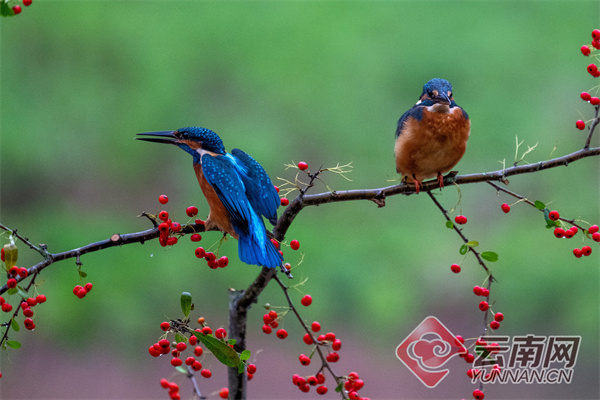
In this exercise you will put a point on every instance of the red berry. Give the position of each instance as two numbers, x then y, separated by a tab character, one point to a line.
358	384
592	69
163	199
251	369
315	326
478	394
332	357
223	262
569	233
585	96
586	250
40	298
553	215
483	306
302	165
306	300
220	333
494	325
196	237
198	351
304	359
595	101
320	378
284	201
577	253
88	286
273	314
163	215
596	237
11	283
206	373
585	50
282	333
330	336
191	211
2	254
499	317
596	34
267	329
477	290
206	330
505	207
200	252
7	307
23	272
596	44
181	346
485	292
26	2
28	312
559	232
322	389
16	9
336	345
175	226
593	229
224	393
455	268
197	365
308	339
193	340
28	322
294	244
460	219
176	361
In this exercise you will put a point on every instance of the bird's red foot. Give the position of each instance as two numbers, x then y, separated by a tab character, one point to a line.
440	180
418	185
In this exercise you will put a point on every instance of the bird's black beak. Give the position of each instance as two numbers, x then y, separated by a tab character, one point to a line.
159	137
441	98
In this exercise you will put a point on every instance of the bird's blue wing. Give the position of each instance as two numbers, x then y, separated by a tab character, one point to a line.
259	189
222	175
415	112
254	247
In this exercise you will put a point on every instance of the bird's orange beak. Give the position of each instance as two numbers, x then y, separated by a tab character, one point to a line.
159	137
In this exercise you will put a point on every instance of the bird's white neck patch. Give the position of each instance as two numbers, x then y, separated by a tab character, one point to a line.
439	108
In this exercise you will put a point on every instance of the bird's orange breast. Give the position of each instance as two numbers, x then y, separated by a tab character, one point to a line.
433	145
219	216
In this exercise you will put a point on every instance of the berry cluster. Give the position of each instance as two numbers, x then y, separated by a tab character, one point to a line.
81	291
559	232
172	387
592	69
328	341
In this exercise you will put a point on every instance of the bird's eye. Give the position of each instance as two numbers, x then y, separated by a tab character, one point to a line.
430	93
449	94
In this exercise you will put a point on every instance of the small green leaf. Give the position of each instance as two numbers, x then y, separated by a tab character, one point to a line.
14	344
186	303
489	256
473	243
82	274
12	291
245	355
539	205
180	338
449	224
181	369
463	249
15	325
339	387
22	292
241	368
231	341
221	350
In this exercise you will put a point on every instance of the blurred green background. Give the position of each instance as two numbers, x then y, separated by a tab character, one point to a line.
322	82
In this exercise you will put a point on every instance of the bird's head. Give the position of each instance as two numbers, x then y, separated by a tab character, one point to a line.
196	141
437	91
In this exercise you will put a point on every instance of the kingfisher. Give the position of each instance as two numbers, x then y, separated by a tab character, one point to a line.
237	188
431	137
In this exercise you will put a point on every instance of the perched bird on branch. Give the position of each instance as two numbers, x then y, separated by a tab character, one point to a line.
237	189
431	137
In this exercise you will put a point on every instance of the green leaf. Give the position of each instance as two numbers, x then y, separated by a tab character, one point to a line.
539	205
15	325
186	303
181	369
82	274
463	249
245	355
180	338
231	341
222	351
473	243
12	291
241	368
339	387
22	292
489	256
449	224
14	344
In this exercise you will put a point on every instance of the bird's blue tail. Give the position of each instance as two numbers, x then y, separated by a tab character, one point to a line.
256	248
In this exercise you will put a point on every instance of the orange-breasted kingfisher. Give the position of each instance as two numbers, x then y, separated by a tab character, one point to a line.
431	137
237	188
